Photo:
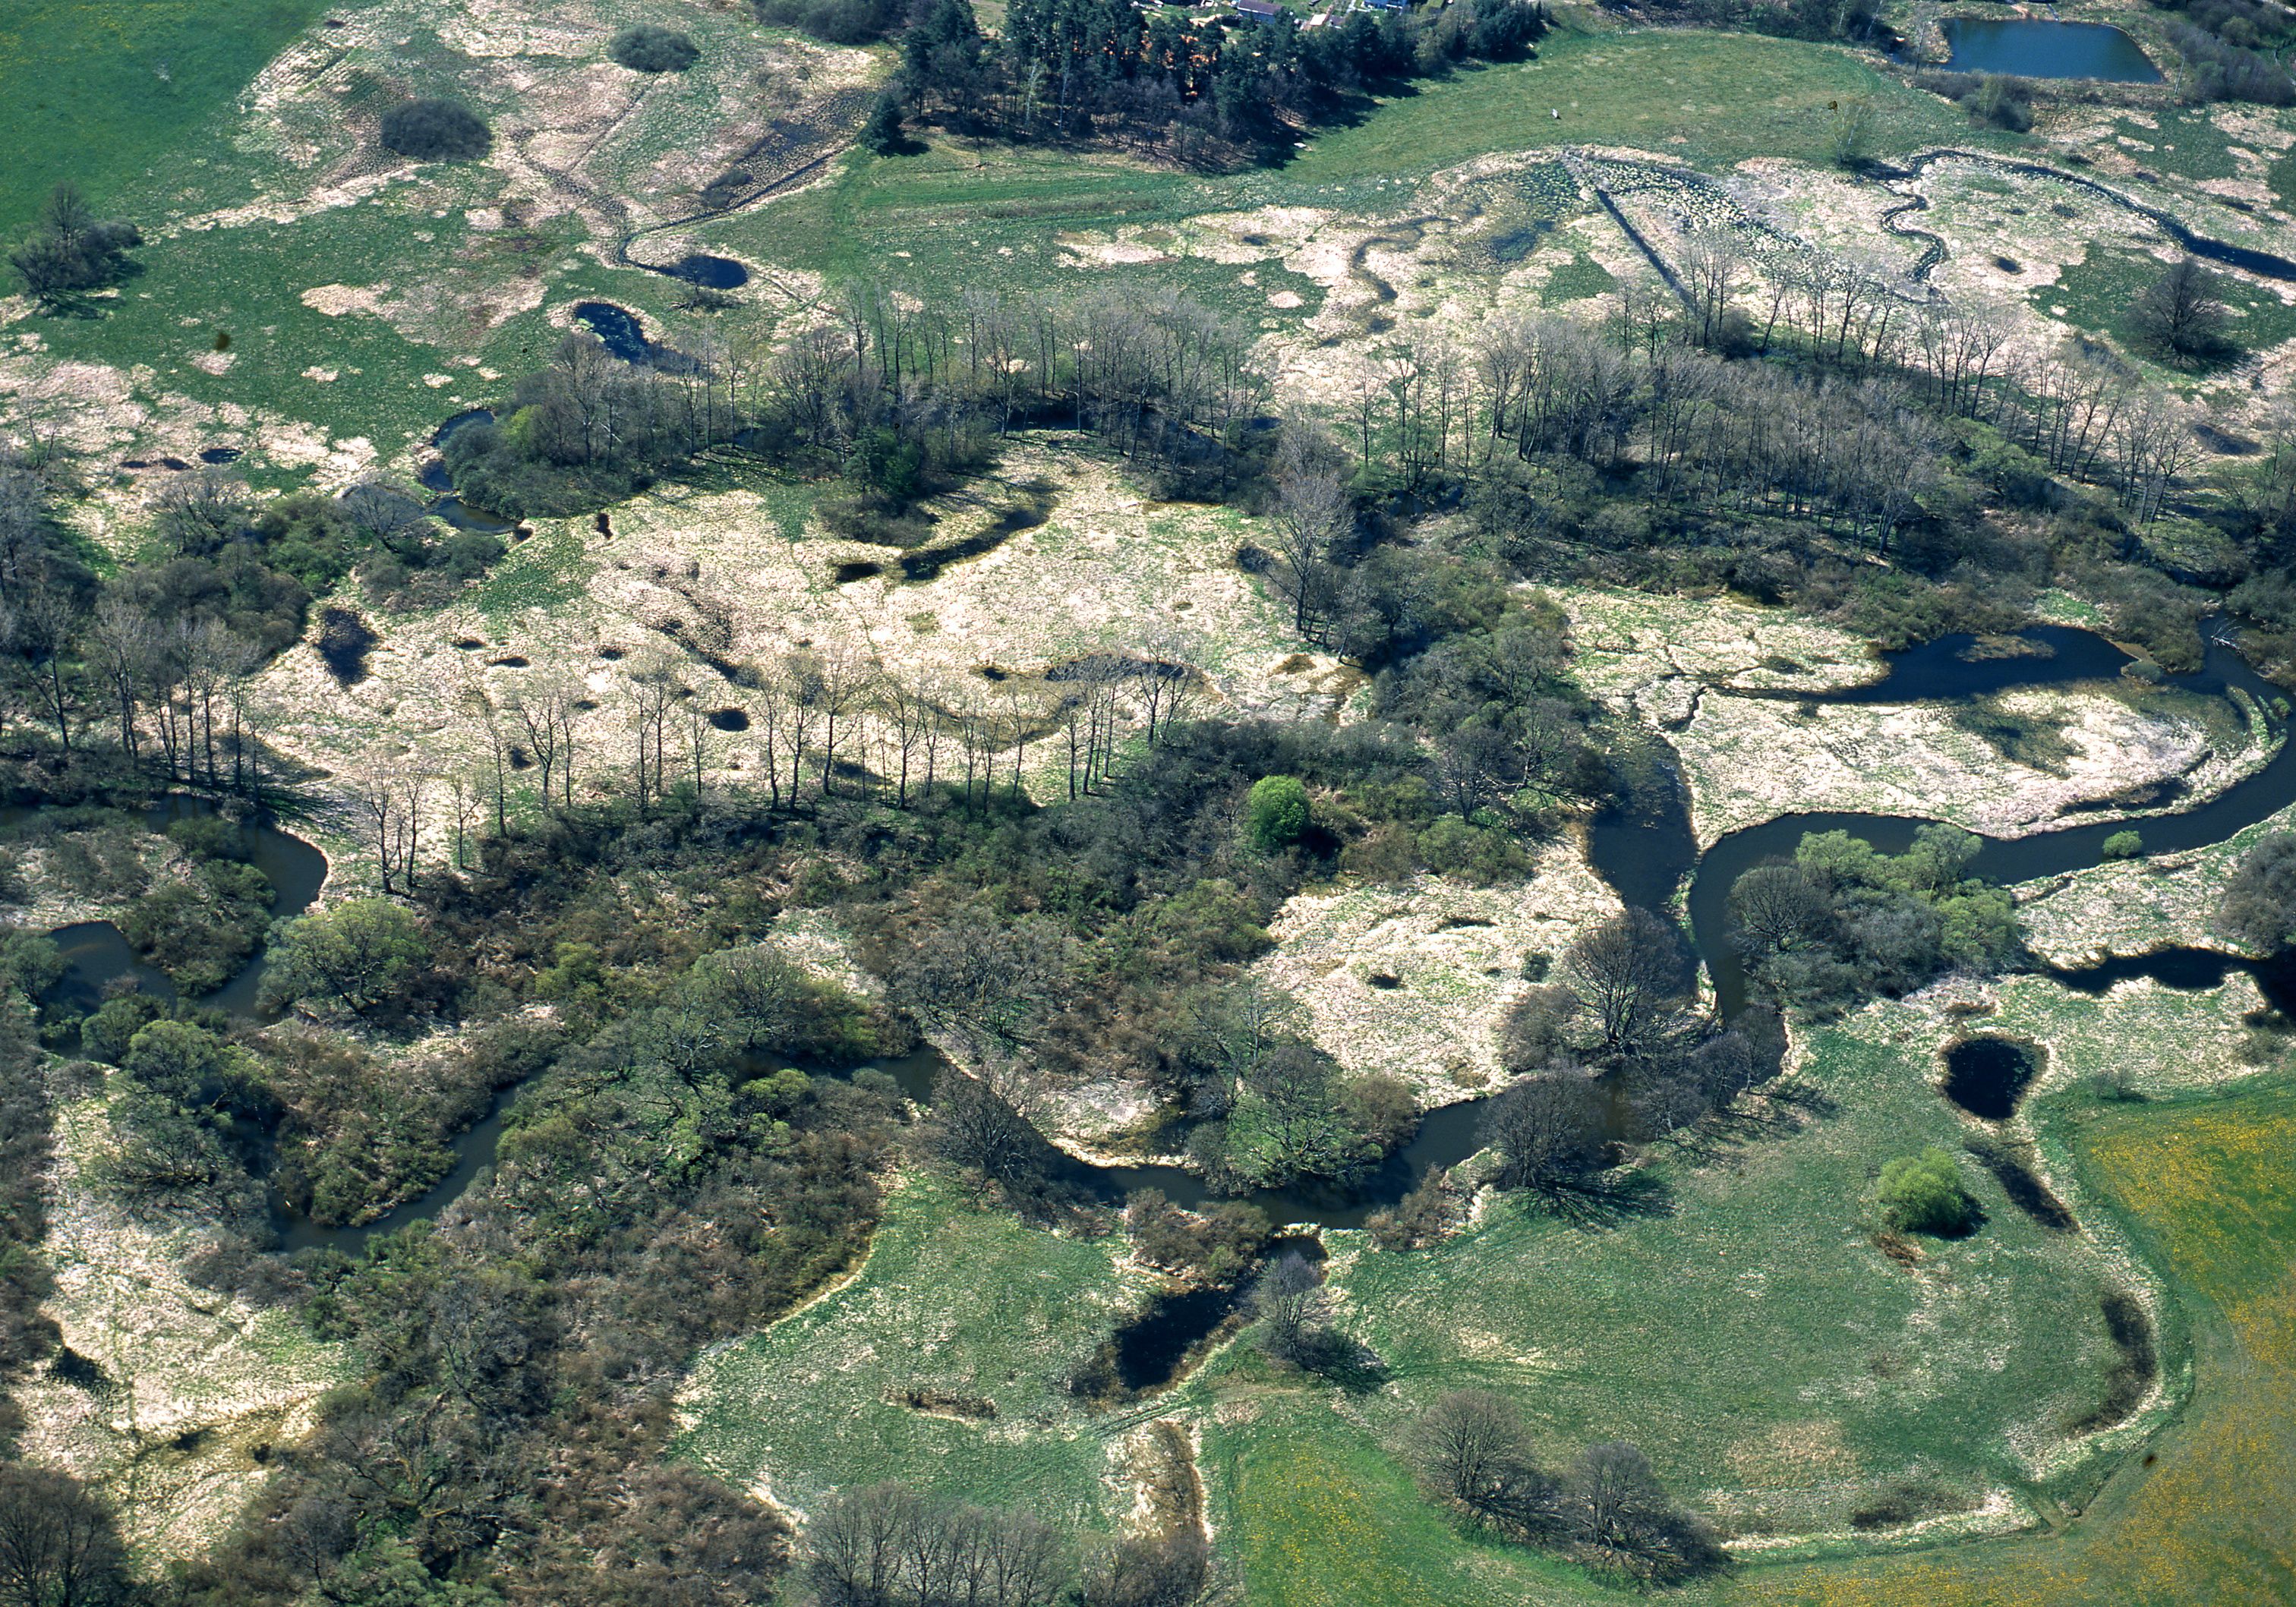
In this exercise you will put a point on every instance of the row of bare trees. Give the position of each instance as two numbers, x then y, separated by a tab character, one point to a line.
1153	373
812	725
1850	445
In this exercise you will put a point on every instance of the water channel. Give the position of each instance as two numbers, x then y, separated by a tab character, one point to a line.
1643	847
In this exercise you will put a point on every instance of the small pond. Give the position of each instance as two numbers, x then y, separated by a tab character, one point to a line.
2031	49
711	272
616	328
1987	1075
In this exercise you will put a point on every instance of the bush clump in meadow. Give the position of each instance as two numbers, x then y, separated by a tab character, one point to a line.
1275	814
650	48
435	130
2182	316
1607	1510
73	251
1925	1193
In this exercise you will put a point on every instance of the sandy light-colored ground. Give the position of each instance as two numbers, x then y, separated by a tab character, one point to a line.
1686	667
1106	572
1413	981
198	1388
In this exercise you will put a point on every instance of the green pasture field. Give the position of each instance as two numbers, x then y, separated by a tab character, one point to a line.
954	1298
2203	1183
1736	1320
2100	292
1714	99
103	91
995	214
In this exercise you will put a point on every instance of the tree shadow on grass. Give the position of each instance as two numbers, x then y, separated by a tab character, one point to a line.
1337	1358
1608	1200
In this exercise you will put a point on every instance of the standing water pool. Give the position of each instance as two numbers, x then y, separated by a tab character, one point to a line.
2027	48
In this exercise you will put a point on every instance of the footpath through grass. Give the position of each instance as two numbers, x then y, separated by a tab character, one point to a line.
98	90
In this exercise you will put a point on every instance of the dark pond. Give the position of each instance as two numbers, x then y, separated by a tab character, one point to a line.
460	421
616	328
220	454
711	272
1150	1348
2030	49
1987	1075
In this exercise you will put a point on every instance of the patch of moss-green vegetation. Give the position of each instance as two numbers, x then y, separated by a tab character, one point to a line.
2185	144
2034	740
1323	1516
944	1362
2100	293
101	92
1768	1351
1725	97
366	371
539	573
1578	280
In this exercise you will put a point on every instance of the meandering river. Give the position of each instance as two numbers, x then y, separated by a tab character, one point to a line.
1642	847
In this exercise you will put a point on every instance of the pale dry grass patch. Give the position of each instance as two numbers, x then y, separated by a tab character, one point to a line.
1450	958
200	1388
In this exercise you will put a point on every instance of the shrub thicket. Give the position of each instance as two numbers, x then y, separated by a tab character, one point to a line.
2259	903
435	130
1843	922
648	47
1925	1193
72	250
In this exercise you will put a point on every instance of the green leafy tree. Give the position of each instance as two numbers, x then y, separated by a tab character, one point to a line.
883	133
1276	813
353	959
1925	1193
2124	845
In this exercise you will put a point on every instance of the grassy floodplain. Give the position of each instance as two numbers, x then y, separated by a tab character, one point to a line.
1740	1322
2204	1185
996	210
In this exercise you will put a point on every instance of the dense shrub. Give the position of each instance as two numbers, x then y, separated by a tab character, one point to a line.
73	251
2258	906
1925	1193
355	959
648	47
1844	921
435	130
1275	814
